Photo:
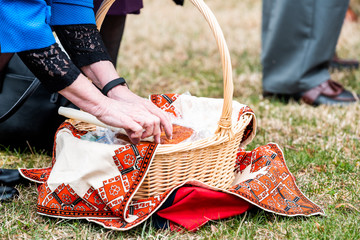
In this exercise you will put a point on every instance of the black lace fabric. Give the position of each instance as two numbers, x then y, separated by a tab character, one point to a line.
83	43
51	66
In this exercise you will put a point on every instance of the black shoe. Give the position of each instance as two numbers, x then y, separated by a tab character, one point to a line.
285	98
7	193
340	64
11	177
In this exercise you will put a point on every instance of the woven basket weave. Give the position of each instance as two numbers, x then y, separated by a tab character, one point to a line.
210	160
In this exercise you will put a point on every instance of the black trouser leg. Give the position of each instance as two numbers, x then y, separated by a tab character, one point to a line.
111	32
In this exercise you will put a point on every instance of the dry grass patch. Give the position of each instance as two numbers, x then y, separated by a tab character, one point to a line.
168	48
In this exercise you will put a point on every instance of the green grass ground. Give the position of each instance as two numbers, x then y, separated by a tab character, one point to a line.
168	49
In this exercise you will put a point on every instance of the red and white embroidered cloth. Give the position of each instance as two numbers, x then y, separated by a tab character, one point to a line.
97	182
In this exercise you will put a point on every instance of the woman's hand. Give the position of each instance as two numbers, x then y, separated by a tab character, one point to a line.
123	109
138	116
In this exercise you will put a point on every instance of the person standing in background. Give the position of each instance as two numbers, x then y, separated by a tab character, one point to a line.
113	26
112	29
298	41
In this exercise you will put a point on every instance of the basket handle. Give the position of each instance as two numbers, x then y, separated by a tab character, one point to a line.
224	124
102	11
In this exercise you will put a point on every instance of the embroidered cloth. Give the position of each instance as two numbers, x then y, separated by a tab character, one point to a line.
98	182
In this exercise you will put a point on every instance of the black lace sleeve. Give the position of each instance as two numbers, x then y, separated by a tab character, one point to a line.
83	43
51	66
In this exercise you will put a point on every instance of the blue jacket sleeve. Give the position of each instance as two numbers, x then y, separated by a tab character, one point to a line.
23	25
26	25
70	12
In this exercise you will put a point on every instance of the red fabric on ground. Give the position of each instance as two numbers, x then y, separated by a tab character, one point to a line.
195	206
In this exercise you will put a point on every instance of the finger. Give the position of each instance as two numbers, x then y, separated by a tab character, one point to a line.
152	128
133	137
157	132
149	129
134	131
157	139
164	119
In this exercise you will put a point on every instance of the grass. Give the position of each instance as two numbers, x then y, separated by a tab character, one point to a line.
167	49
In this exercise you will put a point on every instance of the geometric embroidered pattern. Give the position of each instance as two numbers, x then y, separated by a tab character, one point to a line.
273	188
261	178
164	102
108	201
250	127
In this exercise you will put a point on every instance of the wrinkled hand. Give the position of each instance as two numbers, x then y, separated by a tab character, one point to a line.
122	108
138	116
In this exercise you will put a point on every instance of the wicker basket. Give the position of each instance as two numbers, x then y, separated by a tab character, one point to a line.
210	160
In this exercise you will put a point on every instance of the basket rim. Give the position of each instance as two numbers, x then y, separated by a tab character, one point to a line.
213	140
205	142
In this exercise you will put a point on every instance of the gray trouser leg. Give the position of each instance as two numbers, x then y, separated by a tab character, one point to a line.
299	38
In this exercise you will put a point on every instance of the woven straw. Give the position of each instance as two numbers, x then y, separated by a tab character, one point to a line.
210	160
